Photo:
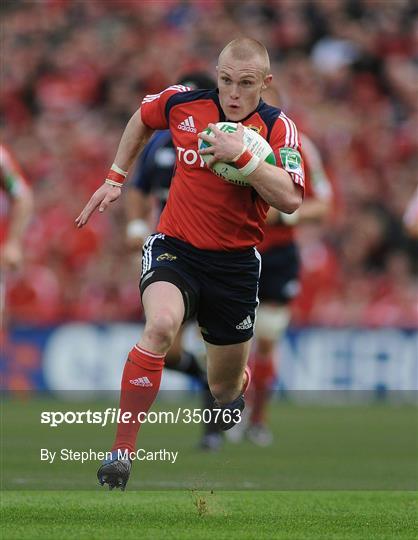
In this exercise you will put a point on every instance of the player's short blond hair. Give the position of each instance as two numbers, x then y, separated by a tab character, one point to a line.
244	48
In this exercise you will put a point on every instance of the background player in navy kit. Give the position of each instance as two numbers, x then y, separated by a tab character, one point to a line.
146	197
279	285
207	233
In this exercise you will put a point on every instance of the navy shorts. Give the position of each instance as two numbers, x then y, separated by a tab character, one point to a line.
279	280
219	288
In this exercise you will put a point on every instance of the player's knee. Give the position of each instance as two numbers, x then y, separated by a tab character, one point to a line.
161	328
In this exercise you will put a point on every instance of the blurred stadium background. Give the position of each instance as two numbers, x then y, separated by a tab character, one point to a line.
73	72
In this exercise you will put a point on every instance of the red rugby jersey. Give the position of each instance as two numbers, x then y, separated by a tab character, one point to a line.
202	209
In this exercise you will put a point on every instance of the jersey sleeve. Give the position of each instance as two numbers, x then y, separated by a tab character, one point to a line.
286	146
153	106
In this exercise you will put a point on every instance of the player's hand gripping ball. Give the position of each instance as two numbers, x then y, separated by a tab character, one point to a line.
254	143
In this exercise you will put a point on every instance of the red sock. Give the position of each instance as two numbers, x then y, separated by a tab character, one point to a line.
139	387
263	375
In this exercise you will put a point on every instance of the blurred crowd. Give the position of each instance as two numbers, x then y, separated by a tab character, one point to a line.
74	71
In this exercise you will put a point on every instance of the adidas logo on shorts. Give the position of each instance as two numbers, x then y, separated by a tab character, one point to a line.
188	125
141	381
245	324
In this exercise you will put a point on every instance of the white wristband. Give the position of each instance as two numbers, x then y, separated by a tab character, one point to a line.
117	169
113	183
250	167
137	228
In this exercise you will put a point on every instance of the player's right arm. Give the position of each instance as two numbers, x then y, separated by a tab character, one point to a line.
150	116
133	140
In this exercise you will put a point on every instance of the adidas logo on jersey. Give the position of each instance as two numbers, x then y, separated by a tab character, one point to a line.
141	381
188	125
245	324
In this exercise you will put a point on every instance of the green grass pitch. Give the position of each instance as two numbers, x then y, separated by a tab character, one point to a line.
200	515
335	472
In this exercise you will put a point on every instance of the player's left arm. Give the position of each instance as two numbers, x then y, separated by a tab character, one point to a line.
318	191
274	184
287	177
276	187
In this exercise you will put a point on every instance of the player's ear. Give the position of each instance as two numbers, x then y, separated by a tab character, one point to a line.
266	81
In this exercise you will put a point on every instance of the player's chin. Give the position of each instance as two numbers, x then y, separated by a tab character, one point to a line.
235	114
236	118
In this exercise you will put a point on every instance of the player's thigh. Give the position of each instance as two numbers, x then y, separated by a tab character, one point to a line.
226	363
163	300
163	263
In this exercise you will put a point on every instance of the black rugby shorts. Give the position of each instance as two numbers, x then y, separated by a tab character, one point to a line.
219	288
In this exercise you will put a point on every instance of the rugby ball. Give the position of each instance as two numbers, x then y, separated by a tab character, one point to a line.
252	140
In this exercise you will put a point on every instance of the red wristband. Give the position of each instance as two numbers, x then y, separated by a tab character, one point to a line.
243	160
115	177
